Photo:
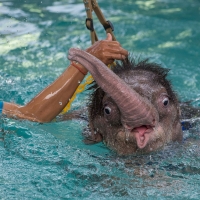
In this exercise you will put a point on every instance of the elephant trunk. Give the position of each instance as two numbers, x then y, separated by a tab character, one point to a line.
135	109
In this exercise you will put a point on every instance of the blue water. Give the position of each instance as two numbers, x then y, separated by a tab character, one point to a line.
50	161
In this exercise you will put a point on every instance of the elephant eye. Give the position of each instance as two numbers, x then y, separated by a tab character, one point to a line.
107	110
165	101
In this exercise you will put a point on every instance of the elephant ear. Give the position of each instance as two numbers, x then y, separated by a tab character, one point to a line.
77	114
91	136
188	111
188	115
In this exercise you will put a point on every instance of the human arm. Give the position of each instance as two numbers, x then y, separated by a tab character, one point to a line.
51	101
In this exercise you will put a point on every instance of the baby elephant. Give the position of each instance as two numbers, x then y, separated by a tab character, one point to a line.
133	107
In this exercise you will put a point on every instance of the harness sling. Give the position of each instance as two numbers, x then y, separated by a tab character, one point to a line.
92	5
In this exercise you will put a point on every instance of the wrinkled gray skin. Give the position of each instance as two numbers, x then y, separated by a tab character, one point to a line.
136	117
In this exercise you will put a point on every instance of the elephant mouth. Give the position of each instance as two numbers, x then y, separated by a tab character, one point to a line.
142	135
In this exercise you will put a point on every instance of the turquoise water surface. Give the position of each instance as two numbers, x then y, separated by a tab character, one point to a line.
50	161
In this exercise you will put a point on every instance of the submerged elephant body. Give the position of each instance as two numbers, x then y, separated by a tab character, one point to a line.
133	108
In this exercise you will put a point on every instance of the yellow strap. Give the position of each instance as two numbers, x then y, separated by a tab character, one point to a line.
80	89
91	5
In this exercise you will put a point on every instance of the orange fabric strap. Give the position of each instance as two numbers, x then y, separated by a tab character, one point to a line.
80	68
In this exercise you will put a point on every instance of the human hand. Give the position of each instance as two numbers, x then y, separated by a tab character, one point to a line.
107	50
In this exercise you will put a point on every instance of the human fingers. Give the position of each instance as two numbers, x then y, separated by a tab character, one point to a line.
109	37
114	46
107	51
115	49
110	61
113	56
123	52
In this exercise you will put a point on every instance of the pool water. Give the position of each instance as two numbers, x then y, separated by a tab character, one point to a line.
50	161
